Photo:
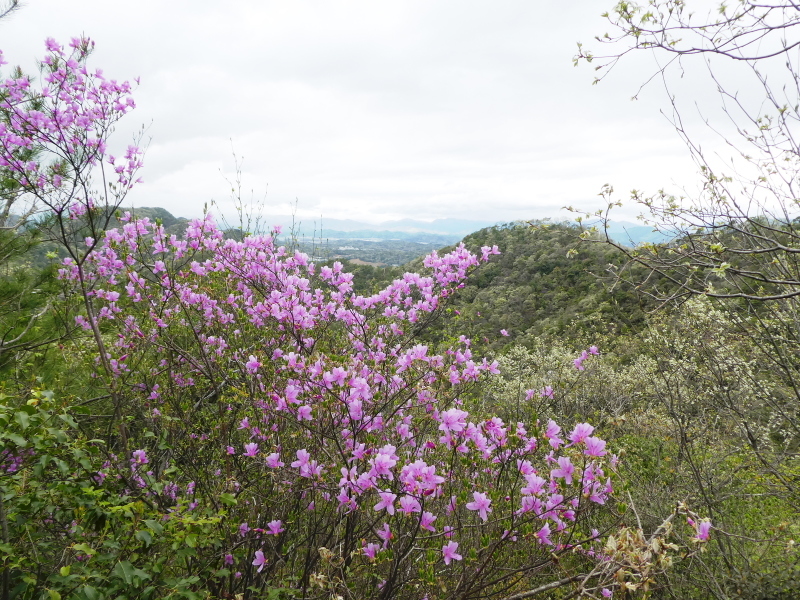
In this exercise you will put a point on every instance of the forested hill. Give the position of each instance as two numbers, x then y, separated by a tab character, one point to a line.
535	286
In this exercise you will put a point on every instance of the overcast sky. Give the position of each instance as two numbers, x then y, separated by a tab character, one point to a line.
370	110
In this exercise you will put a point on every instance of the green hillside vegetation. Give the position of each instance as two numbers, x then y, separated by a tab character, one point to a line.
700	413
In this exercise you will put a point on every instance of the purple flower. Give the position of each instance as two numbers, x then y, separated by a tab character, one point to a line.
595	447
385	533
703	530
504	333
409	504
251	449
543	535
580	433
252	366
453	420
370	550
426	521
275	527
304	413
260	560
607	593
449	552
387	502
140	457
302	459
565	469
481	504
274	461
552	432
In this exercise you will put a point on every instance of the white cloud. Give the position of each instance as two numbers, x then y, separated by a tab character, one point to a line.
369	110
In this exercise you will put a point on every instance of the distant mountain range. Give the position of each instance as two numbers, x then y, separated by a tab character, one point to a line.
444	231
448	230
440	232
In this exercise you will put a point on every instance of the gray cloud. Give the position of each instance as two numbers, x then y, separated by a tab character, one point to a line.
370	110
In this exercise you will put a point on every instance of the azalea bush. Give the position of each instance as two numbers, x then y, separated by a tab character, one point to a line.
256	427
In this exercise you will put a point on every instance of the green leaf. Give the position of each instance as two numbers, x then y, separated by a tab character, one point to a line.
228	499
68	420
29	410
84	548
65	570
124	570
145	537
90	593
54	595
154	525
17	439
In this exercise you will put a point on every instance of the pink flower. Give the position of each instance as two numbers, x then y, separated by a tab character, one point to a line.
275	527
409	504
607	593
426	521
140	457
451	506
302	459
453	420
565	469
274	461
385	533
382	465
580	433
252	365
251	449
543	535
504	333
551	433
703	530
449	552
370	550
260	560
595	447
387	502
304	413
481	504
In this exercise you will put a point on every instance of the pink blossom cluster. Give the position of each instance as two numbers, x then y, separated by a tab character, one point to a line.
70	119
11	462
585	355
347	408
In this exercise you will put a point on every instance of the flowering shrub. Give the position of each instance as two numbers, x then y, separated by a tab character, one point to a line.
269	429
71	118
